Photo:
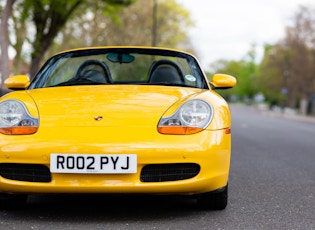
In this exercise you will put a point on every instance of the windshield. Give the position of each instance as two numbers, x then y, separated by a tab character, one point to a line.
96	66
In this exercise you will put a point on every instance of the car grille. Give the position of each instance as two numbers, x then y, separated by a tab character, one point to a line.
169	172
25	172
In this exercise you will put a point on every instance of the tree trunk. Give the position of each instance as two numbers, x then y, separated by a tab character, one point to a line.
41	45
4	43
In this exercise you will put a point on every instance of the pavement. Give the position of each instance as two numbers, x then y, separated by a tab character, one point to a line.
286	113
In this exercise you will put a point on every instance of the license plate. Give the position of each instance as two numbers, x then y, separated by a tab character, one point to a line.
93	163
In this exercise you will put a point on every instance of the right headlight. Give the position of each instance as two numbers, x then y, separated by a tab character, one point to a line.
15	119
192	117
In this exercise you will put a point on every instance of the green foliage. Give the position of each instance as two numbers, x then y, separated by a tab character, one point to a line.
286	74
60	25
270	74
131	25
245	73
172	23
49	17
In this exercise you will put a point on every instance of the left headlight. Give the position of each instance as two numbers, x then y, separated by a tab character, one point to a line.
15	119
192	117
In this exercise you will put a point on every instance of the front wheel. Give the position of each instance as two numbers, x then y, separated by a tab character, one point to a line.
216	200
12	201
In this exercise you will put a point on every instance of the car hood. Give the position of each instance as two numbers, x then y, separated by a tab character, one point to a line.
110	105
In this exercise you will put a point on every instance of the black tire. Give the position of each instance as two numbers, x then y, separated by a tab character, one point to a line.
216	200
12	201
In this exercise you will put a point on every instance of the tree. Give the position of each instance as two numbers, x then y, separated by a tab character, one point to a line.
245	72
273	75
93	23
287	72
130	26
4	41
300	41
48	18
20	29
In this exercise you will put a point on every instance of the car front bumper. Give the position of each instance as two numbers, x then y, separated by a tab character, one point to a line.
210	150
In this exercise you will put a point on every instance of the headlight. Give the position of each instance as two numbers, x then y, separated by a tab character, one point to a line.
192	117
15	119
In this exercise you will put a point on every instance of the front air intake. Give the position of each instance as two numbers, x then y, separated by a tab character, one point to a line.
25	172
169	172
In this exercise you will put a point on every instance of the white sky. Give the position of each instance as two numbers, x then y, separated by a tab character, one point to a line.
226	29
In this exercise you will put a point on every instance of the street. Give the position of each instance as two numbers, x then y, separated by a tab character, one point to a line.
272	186
272	172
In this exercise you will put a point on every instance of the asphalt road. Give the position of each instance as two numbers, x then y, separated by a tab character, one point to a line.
272	186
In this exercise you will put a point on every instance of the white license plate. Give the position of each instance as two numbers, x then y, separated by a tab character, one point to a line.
93	163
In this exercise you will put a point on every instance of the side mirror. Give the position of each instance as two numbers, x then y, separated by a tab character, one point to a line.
17	82
223	81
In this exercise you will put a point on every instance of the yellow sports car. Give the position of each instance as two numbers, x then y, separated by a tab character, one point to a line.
116	120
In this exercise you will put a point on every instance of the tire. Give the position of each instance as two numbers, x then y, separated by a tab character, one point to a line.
216	200
12	201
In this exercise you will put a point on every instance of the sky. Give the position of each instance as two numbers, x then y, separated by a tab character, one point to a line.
226	29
